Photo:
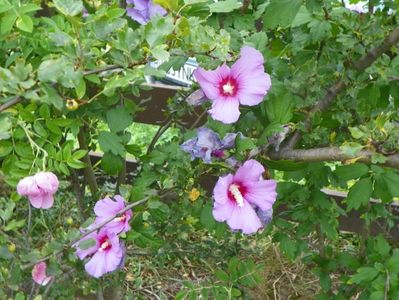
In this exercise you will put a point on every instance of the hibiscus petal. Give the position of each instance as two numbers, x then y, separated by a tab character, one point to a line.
250	62
207	138
47	200
220	192
36	200
261	193
39	274
106	208
209	80
222	212
47	181
225	110
244	218
96	266
253	89
251	170
137	15
27	186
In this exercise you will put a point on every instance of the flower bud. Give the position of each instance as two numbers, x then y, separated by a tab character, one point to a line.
72	105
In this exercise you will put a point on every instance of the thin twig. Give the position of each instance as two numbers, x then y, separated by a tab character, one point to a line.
159	133
10	103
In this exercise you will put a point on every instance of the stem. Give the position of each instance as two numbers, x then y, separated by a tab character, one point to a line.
86	233
79	194
88	170
159	133
121	178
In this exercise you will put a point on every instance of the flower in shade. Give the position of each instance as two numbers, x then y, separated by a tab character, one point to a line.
265	216
107	208
106	254
39	274
144	10
236	197
358	7
207	144
39	189
244	83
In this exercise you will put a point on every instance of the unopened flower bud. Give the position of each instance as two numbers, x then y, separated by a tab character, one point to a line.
72	105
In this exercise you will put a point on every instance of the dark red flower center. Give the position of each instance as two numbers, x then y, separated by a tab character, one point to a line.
218	153
105	244
228	86
236	192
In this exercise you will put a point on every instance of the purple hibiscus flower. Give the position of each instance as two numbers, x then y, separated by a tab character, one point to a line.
39	189
107	208
235	197
144	10
39	274
207	144
106	254
244	83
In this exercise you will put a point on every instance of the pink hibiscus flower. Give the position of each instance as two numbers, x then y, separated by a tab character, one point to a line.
244	83
237	196
39	189
107	253
106	208
39	274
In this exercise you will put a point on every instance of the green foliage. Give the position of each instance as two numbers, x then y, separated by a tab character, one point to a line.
52	55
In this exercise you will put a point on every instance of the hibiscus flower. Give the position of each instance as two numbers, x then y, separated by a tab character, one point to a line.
237	197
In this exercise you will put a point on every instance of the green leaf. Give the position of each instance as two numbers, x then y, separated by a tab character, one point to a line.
351	148
14	224
222	275
7	22
111	163
25	23
352	171
364	275
118	119
224	6
69	7
169	4
359	194
110	142
392	181
281	12
86	244
303	17
258	41
50	70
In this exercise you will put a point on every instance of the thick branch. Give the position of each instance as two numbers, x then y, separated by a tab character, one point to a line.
329	154
332	93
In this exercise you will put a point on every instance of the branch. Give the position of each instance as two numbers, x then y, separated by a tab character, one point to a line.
332	93
329	154
88	170
10	103
86	233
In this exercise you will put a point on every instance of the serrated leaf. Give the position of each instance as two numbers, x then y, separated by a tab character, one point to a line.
281	12
352	171
359	194
69	7
224	6
110	142
118	119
